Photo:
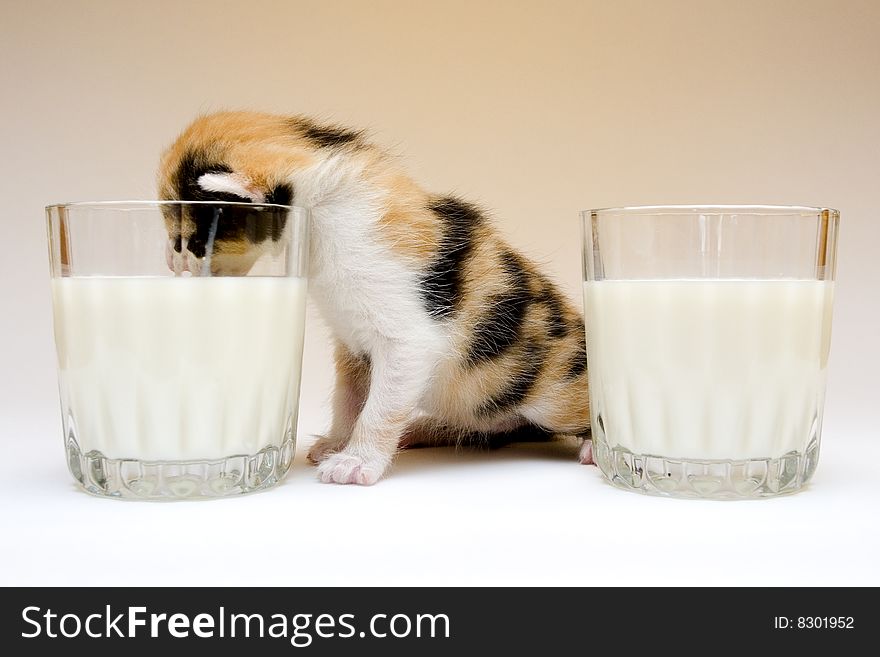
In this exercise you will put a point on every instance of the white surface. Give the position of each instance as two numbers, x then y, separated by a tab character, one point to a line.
535	113
523	515
180	368
708	369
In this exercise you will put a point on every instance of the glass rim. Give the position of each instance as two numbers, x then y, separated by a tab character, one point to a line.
769	210
144	203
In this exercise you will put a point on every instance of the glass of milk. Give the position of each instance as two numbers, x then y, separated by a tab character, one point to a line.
179	330
708	331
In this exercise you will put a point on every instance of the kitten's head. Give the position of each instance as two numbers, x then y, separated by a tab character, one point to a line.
232	157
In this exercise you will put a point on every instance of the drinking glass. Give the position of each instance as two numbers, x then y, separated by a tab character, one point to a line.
708	331
179	332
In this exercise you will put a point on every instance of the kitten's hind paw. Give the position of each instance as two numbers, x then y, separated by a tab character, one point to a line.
586	454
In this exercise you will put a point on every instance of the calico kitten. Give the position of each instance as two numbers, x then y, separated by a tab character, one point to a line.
443	331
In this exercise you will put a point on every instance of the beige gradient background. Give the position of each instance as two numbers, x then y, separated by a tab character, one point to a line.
535	109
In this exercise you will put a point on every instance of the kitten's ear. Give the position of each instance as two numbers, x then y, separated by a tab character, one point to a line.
231	183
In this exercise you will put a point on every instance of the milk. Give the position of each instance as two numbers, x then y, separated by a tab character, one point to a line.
179	368
708	369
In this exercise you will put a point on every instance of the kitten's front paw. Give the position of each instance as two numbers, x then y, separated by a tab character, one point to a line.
586	455
346	468
323	447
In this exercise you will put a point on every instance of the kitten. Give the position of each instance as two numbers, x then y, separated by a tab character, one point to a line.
443	331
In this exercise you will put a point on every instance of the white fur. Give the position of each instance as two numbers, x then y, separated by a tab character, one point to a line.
370	298
230	183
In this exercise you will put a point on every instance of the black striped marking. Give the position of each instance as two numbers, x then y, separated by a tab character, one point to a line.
499	327
441	285
281	194
578	363
557	326
520	385
328	136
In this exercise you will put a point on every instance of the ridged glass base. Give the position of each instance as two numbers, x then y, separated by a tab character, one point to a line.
718	480
178	480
